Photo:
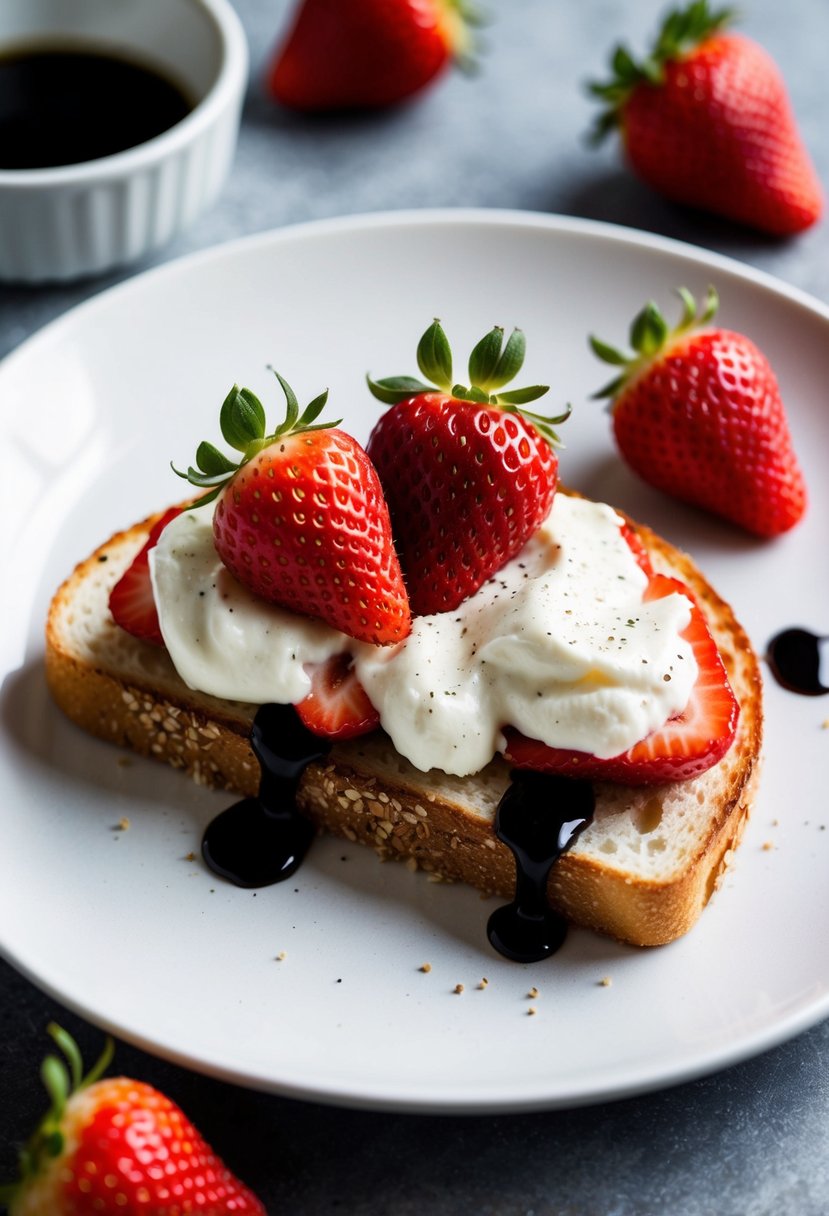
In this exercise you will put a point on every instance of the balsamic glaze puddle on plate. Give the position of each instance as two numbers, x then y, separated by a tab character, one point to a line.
794	660
262	840
539	817
65	105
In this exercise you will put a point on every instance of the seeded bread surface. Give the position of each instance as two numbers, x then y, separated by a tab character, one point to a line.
641	872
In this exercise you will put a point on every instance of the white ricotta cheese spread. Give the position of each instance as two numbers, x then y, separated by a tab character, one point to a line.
559	644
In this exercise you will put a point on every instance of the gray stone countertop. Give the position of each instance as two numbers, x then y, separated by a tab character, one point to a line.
750	1141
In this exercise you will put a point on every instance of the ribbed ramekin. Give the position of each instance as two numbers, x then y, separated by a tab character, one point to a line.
77	220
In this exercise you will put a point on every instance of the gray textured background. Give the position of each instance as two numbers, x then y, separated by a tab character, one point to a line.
752	1141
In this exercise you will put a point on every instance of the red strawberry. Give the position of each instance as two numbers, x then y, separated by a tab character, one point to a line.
337	705
706	120
683	748
131	599
637	547
697	413
367	53
467	474
118	1146
302	521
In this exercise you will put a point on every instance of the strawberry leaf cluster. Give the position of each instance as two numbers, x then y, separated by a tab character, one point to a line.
243	424
62	1078
650	333
492	365
682	31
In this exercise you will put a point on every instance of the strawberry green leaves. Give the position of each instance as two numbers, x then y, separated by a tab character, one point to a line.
491	367
492	364
649	334
243	424
242	418
682	30
434	356
685	28
61	1080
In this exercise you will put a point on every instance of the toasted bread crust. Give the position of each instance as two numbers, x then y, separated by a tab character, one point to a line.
127	693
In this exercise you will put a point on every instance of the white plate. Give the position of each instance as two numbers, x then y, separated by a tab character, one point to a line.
124	929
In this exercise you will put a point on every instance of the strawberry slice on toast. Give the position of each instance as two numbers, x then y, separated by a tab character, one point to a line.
337	707
131	600
684	747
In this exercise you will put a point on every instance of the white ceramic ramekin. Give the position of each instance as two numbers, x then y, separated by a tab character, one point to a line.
76	220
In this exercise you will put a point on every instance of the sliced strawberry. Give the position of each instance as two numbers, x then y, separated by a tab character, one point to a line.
684	747
131	599
337	706
637	548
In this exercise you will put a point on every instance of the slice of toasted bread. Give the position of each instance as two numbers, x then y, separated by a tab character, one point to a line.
641	872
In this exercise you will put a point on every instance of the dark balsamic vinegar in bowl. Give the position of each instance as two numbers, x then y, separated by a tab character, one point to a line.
68	104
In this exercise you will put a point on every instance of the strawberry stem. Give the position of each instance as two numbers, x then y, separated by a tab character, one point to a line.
463	18
243	424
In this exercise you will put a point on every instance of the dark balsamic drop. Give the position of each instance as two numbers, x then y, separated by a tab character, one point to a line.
252	847
262	840
539	817
794	660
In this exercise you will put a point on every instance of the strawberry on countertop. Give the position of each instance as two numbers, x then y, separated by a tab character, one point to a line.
349	54
468	473
301	520
697	413
706	120
114	1145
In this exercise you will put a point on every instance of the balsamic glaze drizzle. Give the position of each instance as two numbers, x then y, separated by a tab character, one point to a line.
794	660
262	840
539	818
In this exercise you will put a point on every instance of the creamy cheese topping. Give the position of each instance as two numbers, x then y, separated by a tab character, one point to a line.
222	638
558	644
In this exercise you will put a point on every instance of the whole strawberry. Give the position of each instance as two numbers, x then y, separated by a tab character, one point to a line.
301	519
468	475
697	413
118	1146
706	120
345	54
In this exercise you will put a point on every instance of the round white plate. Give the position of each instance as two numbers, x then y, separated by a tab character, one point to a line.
130	931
